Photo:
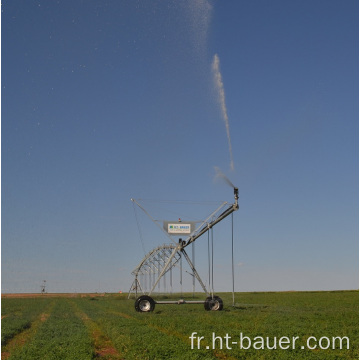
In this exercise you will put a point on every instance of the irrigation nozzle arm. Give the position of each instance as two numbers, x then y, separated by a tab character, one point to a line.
236	195
212	223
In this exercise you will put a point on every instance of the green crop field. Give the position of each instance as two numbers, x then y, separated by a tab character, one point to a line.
288	325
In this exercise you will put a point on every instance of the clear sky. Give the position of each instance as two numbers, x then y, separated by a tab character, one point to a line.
103	101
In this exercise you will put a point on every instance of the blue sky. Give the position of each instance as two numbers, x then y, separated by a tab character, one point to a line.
103	101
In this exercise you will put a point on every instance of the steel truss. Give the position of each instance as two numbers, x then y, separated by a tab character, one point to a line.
164	258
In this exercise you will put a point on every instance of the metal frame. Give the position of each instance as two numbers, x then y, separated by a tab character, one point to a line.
171	254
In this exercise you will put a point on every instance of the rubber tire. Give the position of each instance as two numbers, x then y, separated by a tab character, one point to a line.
144	303
215	304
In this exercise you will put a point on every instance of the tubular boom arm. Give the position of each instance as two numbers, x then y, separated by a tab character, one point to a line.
222	216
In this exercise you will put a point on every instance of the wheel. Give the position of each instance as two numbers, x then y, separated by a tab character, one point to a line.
144	303
213	304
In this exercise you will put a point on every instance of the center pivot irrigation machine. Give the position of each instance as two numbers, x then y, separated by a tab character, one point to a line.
162	260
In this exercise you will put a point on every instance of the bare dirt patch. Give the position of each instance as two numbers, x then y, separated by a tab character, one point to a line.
109	352
104	347
44	317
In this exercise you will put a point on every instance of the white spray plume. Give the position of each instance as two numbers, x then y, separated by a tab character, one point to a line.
221	175
200	17
221	96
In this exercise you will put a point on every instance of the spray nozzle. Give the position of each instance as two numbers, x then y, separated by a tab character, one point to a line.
236	193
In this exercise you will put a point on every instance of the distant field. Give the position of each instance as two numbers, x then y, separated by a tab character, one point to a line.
106	326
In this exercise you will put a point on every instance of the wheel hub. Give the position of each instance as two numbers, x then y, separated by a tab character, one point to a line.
144	305
215	305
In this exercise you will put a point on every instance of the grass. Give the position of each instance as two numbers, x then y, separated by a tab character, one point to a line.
18	315
108	327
